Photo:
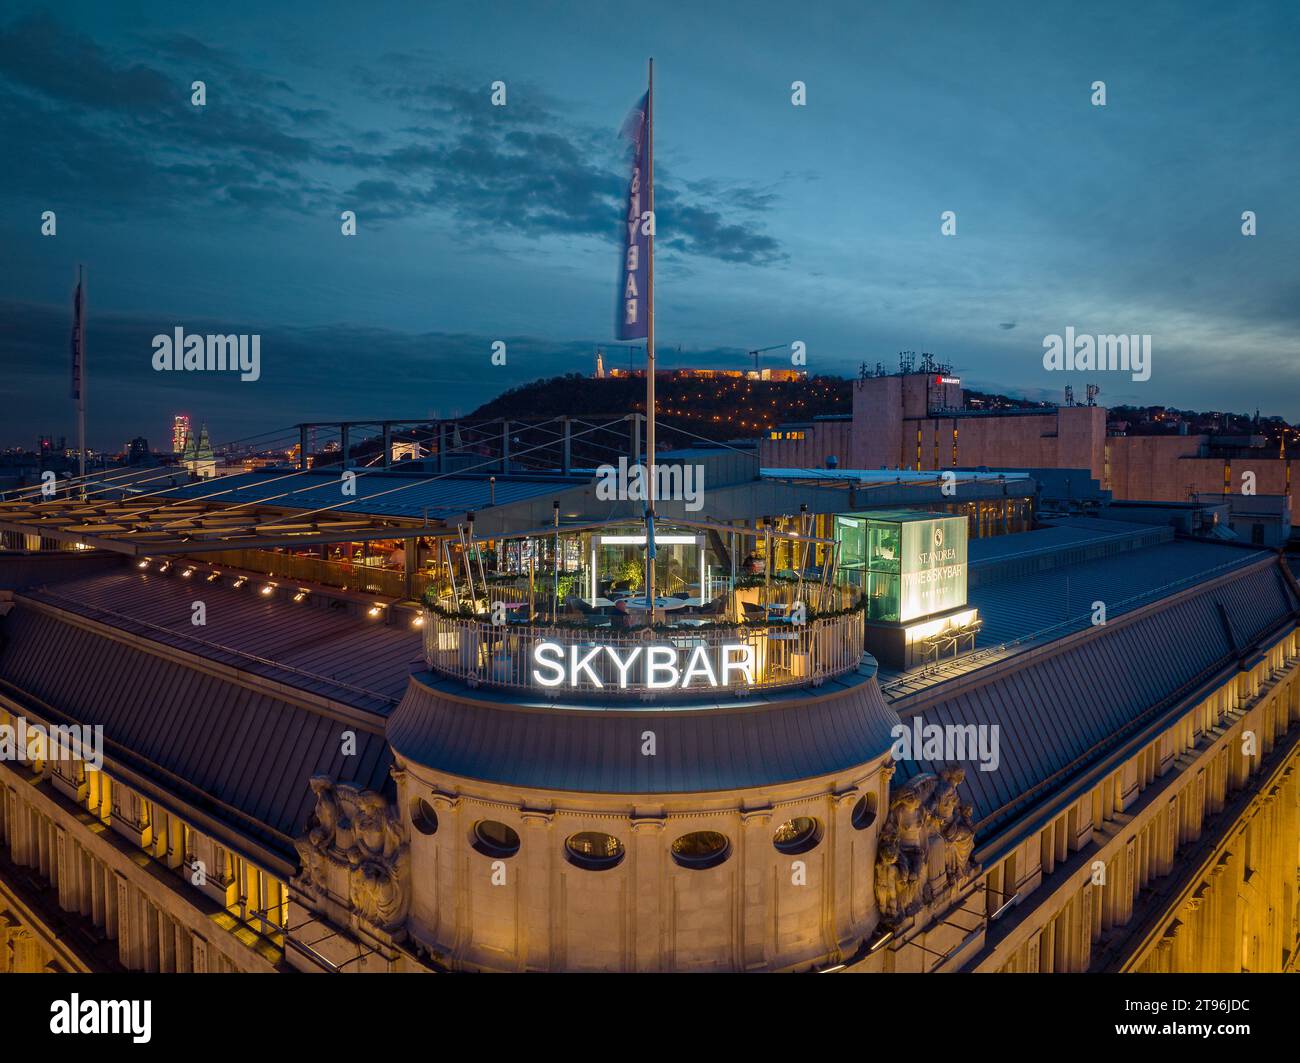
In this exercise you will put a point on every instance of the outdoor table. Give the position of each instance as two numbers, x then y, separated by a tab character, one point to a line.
667	604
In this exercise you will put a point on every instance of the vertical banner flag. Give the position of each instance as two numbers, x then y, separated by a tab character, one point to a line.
633	305
77	339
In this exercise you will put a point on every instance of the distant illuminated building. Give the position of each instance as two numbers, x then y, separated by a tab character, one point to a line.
198	457
180	432
600	365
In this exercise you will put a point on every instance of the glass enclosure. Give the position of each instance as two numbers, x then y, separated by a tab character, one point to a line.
908	564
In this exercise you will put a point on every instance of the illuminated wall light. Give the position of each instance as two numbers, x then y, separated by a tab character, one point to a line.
374	611
213	575
241	581
418	621
268	588
188	573
144	563
164	566
300	596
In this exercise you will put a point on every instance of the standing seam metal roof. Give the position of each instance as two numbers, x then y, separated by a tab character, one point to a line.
194	733
1058	705
762	742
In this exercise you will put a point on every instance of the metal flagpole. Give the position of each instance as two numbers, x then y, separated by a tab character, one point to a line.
81	379
650	351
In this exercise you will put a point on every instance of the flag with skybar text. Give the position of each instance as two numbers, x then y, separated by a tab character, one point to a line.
634	272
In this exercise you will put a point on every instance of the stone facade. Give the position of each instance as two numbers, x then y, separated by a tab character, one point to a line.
899	422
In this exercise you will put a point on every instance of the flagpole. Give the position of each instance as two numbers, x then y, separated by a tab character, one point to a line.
81	378
650	349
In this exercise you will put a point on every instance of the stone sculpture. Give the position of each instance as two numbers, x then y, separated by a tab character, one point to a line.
357	834
925	844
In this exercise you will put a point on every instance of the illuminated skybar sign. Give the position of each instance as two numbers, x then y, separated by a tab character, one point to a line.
934	566
659	667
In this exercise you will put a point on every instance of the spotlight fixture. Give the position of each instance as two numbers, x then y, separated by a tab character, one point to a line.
374	611
241	581
300	596
213	575
267	588
164	566
144	563
418	621
187	573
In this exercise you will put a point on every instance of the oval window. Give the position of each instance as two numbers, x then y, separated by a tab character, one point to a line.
701	849
495	839
423	817
797	835
594	851
864	812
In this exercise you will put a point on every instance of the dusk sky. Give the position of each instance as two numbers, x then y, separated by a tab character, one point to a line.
776	223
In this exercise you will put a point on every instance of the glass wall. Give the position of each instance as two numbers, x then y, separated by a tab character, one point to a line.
907	565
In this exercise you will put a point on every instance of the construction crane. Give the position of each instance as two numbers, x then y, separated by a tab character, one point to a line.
762	350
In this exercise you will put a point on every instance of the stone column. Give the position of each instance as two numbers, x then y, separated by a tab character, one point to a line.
538	904
649	892
127	927
757	891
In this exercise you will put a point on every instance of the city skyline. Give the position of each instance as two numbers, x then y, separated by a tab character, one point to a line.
479	223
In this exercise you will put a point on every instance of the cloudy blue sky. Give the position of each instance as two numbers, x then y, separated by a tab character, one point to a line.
819	223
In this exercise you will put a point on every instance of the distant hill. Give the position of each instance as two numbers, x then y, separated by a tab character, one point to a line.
688	406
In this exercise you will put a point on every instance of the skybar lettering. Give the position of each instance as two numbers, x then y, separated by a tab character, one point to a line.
657	668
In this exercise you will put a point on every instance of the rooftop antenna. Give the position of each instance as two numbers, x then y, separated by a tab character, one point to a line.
1093	391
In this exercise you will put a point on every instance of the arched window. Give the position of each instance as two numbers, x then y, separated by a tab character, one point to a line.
864	812
495	839
797	835
701	849
593	850
423	817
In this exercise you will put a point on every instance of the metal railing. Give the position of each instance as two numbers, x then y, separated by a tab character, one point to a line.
614	662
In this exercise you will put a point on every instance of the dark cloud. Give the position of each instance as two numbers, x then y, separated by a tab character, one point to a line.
111	132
